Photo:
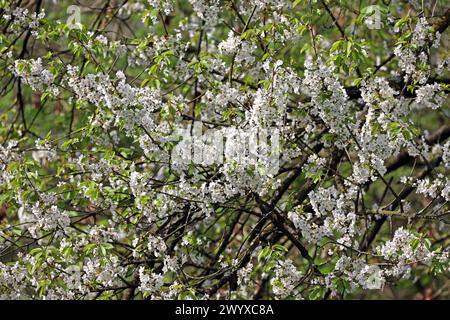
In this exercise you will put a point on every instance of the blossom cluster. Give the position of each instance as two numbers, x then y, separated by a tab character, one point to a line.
209	149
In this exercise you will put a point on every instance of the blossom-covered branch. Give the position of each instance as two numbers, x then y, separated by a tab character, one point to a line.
206	149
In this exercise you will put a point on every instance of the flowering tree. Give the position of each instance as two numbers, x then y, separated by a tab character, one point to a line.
211	149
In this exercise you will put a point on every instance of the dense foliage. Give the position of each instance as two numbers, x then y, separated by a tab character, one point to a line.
212	149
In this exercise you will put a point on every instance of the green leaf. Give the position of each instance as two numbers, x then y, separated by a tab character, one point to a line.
326	268
296	3
317	293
